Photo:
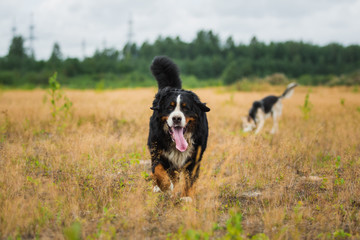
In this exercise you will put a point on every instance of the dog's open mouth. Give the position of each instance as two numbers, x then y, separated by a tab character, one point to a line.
177	135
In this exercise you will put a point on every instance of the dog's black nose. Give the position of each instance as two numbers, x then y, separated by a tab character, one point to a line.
176	119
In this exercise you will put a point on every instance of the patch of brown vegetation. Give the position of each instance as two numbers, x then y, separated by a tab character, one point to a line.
288	186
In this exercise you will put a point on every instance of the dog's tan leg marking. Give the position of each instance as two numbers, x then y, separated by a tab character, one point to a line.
161	178
190	178
189	187
188	192
174	176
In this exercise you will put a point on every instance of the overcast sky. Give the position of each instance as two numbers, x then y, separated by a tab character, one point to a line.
105	23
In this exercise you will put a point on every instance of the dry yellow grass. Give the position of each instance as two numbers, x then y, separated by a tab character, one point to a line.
90	178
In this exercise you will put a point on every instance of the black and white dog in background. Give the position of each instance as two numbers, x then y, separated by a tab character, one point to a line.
261	110
178	130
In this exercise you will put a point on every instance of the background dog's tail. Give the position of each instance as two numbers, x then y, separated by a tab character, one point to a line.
289	90
166	72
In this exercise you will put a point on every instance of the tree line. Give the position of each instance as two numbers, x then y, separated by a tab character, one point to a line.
205	58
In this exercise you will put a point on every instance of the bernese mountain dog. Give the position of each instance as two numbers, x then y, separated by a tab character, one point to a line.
178	130
263	109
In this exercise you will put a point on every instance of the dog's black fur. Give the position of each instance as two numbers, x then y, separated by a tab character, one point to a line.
160	141
268	106
265	104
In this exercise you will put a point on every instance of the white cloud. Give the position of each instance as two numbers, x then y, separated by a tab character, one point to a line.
69	22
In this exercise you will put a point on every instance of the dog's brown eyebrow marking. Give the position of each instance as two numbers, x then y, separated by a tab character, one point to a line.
190	119
172	104
183	105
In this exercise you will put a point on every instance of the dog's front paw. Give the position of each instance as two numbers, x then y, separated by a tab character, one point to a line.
186	199
156	189
171	188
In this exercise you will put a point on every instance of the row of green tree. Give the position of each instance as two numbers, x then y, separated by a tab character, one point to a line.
205	58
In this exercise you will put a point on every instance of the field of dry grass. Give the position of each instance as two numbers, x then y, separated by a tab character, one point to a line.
87	176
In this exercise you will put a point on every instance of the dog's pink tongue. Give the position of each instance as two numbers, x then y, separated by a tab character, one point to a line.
179	139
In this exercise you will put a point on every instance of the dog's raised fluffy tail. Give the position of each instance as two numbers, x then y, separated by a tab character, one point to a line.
166	72
289	90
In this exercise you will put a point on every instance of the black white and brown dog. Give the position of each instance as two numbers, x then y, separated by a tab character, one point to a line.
263	109
178	130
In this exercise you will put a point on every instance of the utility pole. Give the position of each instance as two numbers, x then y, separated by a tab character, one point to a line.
130	31
83	48
31	36
13	29
127	52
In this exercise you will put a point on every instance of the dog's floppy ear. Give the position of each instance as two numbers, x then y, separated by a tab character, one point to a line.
202	106
154	108
158	98
156	105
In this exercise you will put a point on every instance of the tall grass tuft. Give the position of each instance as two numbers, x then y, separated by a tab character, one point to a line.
60	104
306	108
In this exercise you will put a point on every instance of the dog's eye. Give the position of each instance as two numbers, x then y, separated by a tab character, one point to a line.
170	108
185	108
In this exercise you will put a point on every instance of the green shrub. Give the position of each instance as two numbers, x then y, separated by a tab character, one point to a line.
8	77
277	79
